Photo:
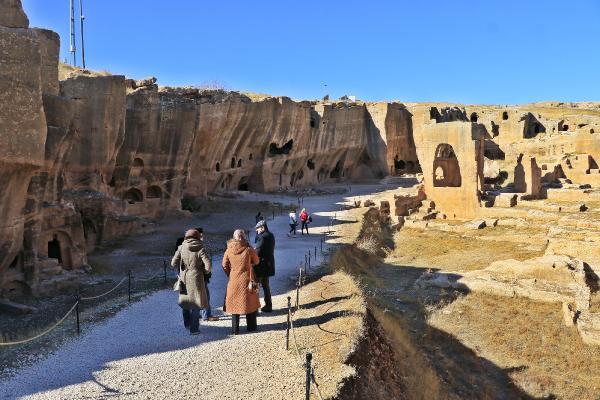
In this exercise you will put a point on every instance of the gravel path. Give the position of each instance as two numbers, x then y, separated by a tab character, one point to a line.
144	352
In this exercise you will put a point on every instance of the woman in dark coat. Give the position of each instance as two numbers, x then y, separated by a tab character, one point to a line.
265	249
237	264
193	262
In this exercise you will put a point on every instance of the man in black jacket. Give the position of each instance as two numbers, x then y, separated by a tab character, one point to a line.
265	248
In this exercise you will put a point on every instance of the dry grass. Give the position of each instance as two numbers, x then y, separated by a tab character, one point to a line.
528	337
329	325
453	252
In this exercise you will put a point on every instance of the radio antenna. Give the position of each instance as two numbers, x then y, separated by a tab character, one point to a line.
73	48
81	18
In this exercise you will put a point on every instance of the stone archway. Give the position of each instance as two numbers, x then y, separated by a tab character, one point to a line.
133	195
446	170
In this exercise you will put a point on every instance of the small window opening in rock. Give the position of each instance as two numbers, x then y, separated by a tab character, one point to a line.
505	115
239	163
137	162
232	162
54	249
474	117
310	164
112	182
243	184
565	128
250	156
218	167
285	149
312	122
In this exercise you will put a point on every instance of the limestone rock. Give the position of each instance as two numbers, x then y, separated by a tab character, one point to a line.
588	325
12	14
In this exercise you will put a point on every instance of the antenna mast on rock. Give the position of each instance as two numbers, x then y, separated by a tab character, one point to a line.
81	18
73	48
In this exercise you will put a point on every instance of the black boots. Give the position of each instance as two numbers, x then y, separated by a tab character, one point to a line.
250	323
235	324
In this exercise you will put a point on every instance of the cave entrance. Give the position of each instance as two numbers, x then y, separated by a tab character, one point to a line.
446	170
54	249
474	117
504	115
243	184
285	149
399	164
133	195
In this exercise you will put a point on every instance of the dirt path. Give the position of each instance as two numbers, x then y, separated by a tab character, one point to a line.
144	351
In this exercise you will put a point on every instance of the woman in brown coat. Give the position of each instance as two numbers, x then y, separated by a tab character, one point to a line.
193	262
242	288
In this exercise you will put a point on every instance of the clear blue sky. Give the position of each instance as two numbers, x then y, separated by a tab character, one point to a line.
478	51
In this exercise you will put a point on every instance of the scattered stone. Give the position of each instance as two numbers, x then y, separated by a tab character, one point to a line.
478	224
369	203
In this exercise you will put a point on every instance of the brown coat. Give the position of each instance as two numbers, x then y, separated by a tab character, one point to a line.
195	260
237	264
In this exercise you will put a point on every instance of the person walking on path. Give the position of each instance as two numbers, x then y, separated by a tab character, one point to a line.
265	249
193	263
293	223
305	219
242	288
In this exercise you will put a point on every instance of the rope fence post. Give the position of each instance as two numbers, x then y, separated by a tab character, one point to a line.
165	270
308	374
287	333
298	289
309	259
129	285
77	315
315	254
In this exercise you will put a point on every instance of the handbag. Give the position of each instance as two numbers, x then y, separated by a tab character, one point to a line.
179	285
252	285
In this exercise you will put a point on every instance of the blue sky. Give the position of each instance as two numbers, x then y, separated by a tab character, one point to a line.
478	51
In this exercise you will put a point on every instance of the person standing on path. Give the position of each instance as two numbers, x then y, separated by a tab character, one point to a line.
293	223
193	262
265	249
242	288
304	218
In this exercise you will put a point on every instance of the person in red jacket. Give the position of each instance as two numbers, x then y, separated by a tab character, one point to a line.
305	219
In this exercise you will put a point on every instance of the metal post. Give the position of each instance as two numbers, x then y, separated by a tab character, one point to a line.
77	315
298	289
81	18
289	325
308	372
309	260
315	253
72	47
273	214
322	244
305	261
165	270
129	285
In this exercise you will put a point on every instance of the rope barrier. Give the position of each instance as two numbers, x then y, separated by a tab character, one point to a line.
148	279
43	333
104	294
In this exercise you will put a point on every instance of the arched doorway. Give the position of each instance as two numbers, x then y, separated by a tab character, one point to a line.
59	248
446	170
133	195
154	192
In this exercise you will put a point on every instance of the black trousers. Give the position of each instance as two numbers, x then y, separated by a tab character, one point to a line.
251	324
264	282
304	225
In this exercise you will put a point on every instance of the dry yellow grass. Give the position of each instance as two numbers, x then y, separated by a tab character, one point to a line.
528	338
329	325
454	252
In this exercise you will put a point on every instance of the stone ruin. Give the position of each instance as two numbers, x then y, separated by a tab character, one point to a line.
93	156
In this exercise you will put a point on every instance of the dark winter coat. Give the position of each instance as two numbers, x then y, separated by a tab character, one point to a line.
265	248
193	257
